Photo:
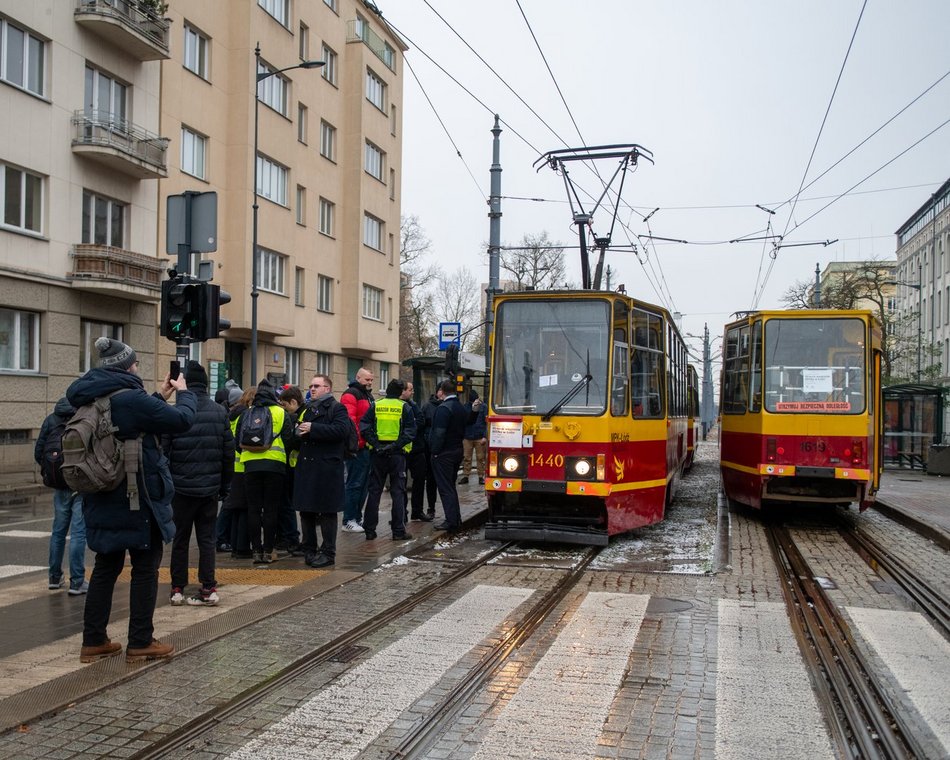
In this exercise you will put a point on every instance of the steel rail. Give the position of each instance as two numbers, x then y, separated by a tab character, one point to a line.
178	740
868	726
424	732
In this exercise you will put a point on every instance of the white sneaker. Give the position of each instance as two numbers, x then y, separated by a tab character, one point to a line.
177	598
352	526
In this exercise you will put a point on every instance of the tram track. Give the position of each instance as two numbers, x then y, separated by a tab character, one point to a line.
864	722
184	737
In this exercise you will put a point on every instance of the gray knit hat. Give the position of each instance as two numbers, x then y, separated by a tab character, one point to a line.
114	353
234	392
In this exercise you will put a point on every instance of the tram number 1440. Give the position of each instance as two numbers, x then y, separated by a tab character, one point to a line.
551	460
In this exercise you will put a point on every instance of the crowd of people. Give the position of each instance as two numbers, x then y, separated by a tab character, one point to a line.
237	470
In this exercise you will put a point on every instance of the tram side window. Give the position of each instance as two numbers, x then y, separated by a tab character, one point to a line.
647	365
756	404
735	386
621	371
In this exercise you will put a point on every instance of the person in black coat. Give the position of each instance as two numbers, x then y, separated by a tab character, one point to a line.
445	442
320	480
428	412
113	524
417	460
202	465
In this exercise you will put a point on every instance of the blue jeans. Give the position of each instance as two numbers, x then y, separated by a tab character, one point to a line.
67	518
357	486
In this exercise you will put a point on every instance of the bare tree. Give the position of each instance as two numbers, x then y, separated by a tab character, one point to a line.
457	299
417	277
536	263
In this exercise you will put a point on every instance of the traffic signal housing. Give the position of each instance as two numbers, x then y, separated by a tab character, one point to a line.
210	321
180	313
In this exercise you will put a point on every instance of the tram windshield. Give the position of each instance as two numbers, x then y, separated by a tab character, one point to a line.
543	349
815	366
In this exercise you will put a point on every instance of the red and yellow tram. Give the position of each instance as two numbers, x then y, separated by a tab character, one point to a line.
692	415
800	407
587	431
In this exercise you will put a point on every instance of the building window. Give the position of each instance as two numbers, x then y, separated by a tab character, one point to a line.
326	217
393	121
329	64
90	331
323	363
304	42
106	98
372	303
324	293
22	200
272	92
373	161
22	58
375	90
392	184
272	266
327	140
196	52
272	180
372	232
193	151
301	204
332	5
383	375
103	221
19	340
302	121
279	9
292	365
299	288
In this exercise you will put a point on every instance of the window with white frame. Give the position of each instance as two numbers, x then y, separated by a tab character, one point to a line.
299	287
388	55
19	340
106	98
272	180
393	120
292	365
392	184
303	42
301	210
22	199
22	58
372	303
272	91
197	47
302	121
383	375
372	232
375	90
329	64
326	216
332	5
103	220
272	267
194	148
278	9
327	140
323	363
324	293
373	161
88	355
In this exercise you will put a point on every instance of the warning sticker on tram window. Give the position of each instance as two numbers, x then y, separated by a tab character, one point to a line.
813	406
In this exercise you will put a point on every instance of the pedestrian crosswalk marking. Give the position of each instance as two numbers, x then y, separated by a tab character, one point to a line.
8	571
345	718
24	534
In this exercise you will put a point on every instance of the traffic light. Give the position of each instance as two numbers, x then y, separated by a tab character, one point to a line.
210	321
451	358
180	309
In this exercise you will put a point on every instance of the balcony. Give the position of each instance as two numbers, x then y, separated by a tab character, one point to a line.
119	144
130	25
358	30
112	271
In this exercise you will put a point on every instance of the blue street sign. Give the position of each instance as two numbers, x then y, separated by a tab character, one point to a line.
449	333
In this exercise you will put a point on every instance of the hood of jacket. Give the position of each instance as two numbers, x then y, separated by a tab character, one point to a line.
63	408
99	381
265	395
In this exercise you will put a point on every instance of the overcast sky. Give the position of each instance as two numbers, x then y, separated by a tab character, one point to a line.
730	98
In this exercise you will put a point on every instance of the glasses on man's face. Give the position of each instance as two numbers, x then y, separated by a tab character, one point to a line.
318	385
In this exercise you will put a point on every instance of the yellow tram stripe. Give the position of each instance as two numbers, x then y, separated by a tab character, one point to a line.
739	467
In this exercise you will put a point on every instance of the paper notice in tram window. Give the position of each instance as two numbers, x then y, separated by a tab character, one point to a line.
817	380
505	435
545	380
813	406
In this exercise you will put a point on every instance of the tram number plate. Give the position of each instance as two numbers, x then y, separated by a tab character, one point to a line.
812	445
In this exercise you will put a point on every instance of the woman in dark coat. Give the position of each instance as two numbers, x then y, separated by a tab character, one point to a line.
319	478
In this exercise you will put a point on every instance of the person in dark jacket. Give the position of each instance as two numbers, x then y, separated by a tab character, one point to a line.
319	479
202	465
288	534
445	442
428	412
115	526
357	398
236	502
475	441
67	515
417	459
227	396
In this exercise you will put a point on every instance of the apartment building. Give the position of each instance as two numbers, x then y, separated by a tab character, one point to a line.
113	105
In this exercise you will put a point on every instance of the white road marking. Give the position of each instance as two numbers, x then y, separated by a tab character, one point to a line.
917	656
344	719
559	711
765	706
24	534
8	571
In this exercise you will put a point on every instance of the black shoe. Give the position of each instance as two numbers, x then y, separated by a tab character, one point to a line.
402	536
463	481
223	547
298	551
370	535
423	518
320	560
444	525
263	558
431	512
246	554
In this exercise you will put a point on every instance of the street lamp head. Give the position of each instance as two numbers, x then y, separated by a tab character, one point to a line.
312	64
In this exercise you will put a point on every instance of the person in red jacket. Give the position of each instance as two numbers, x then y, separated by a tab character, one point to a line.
357	399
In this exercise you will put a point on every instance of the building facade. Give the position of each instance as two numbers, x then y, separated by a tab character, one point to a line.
114	105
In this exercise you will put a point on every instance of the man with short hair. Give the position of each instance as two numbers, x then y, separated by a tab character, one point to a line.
319	487
388	428
445	443
357	399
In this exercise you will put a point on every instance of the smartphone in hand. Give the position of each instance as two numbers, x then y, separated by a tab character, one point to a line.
174	369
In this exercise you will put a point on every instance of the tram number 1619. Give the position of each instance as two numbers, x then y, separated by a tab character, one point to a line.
812	445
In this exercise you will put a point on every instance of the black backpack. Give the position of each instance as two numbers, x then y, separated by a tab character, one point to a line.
256	429
51	463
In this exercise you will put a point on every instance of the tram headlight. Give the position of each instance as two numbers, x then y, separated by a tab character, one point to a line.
580	468
510	464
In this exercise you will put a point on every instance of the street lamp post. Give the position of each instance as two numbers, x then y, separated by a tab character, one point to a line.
255	251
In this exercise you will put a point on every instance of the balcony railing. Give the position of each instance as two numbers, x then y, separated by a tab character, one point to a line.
115	271
358	30
120	144
131	25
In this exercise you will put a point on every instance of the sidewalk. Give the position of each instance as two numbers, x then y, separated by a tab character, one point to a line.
922	497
